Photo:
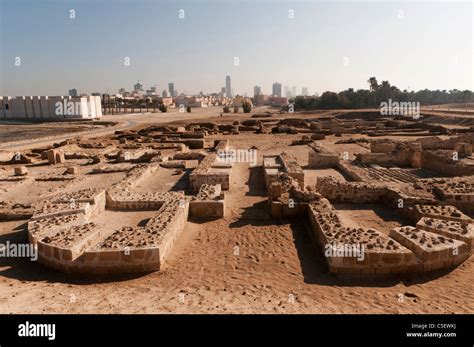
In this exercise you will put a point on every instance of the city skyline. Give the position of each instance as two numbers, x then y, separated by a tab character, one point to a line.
304	44
257	89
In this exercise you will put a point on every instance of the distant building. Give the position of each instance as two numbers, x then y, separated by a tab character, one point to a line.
286	91
293	91
122	91
73	92
165	94
167	101
260	99
276	89
171	89
138	87
277	101
239	100
257	90
50	107
304	91
228	89
151	91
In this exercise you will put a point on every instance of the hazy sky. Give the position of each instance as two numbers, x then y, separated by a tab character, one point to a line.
326	46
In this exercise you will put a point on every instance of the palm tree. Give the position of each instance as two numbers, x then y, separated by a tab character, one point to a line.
374	86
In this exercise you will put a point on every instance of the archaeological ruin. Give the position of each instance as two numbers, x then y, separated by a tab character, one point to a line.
117	204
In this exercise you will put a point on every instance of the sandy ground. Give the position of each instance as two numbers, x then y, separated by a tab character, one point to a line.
244	263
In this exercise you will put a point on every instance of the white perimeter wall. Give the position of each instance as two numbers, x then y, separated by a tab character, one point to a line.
47	108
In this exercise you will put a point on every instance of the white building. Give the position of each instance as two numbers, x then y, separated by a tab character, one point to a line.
50	107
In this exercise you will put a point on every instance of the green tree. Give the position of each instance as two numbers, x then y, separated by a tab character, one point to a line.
247	107
374	86
163	108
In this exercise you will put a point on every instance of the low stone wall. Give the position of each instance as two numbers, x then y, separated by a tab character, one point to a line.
458	192
352	192
221	145
443	238
71	242
10	211
445	212
204	174
273	165
320	158
207	208
209	202
357	251
279	209
455	230
436	251
403	155
190	143
442	163
292	168
382	146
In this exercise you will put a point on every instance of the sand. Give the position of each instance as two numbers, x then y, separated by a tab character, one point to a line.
243	263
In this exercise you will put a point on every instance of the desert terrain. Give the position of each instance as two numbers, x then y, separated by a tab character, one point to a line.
243	258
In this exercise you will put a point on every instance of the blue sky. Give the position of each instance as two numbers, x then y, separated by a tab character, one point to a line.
412	44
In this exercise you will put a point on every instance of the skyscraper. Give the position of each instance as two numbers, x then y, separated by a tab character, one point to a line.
171	89
138	87
257	90
276	89
304	91
228	89
293	91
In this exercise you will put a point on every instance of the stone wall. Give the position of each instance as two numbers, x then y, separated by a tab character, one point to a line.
209	172
357	251
320	158
351	192
69	240
273	165
442	163
403	155
209	202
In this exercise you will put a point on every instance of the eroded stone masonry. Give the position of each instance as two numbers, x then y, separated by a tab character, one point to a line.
117	204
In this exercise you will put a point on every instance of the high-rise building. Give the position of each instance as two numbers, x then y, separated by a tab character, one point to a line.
223	90
304	91
257	90
276	89
293	91
228	89
138	87
171	89
73	92
151	91
286	92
